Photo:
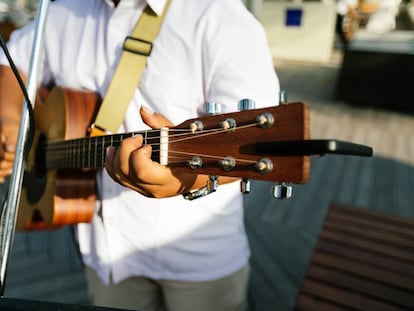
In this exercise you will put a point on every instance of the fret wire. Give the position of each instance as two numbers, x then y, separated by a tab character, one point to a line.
84	153
76	150
94	158
65	157
56	156
73	156
89	153
79	153
99	147
64	160
102	152
70	159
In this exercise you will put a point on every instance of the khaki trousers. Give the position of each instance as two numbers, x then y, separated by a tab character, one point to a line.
140	293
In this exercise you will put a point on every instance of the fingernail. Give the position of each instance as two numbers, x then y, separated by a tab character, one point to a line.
147	110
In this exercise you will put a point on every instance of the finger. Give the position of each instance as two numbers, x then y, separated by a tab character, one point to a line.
153	119
148	172
10	144
117	160
122	157
6	169
7	148
5	173
7	156
112	167
109	161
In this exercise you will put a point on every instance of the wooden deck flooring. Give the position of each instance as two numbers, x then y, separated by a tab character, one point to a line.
283	233
44	265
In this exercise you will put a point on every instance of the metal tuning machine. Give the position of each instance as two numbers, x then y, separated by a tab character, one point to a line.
282	191
243	105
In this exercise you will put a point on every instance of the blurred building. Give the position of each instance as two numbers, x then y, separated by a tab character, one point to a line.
14	14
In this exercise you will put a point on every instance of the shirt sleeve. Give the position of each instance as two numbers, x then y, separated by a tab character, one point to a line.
20	47
239	58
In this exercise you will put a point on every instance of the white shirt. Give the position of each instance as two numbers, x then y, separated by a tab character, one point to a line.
207	50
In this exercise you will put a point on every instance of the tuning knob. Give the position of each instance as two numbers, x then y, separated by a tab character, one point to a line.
246	104
283	97
213	107
282	191
245	186
212	183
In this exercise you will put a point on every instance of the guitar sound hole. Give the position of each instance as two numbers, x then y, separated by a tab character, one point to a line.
35	179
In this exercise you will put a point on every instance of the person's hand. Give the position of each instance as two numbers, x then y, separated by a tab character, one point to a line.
131	165
8	138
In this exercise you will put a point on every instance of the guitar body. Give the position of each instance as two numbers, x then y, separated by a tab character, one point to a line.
51	198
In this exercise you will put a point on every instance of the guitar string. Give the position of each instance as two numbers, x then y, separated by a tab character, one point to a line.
56	149
62	144
181	155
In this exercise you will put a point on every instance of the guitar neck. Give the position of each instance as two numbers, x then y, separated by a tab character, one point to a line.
221	145
89	152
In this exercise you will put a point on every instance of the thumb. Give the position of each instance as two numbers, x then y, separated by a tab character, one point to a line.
153	119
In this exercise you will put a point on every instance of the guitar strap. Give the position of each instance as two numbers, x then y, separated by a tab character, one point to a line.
136	48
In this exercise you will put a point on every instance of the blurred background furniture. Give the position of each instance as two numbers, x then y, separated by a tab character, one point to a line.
363	260
377	71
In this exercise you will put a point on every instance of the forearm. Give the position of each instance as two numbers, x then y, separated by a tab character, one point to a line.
10	112
11	96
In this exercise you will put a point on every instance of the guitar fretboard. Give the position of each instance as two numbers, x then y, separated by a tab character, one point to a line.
88	152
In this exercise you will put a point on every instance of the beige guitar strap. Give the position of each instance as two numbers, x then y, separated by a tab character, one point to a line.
137	47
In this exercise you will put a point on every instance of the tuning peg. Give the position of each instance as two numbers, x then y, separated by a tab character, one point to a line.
245	186
212	183
283	97
213	107
282	191
246	104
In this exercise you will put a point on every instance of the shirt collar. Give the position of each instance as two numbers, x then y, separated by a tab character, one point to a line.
157	5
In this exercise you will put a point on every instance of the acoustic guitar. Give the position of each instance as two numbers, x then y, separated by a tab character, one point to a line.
59	179
269	144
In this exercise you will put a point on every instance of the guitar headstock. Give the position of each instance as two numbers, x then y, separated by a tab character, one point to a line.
226	144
